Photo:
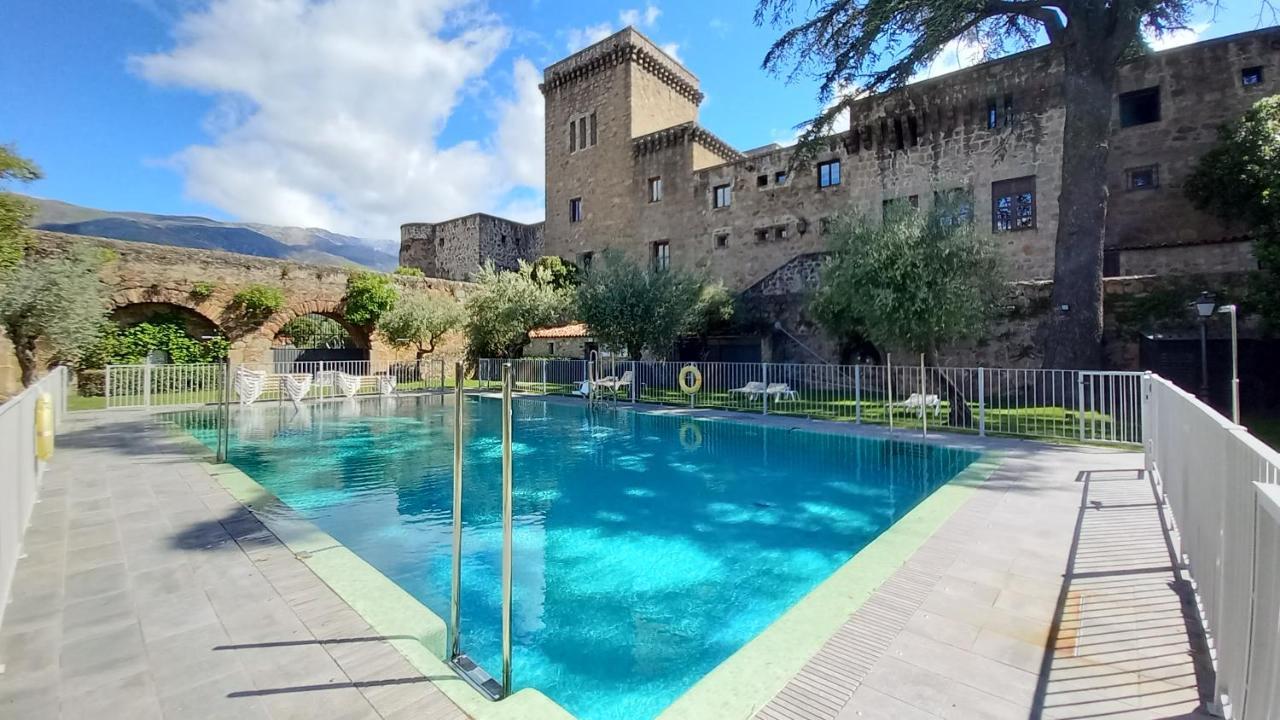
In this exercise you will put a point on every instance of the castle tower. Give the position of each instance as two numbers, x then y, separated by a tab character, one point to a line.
598	101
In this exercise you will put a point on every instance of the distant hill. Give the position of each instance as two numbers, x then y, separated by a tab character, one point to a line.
311	245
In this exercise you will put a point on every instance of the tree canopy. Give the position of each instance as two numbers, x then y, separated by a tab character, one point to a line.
14	211
506	305
918	281
557	272
369	295
419	320
1238	180
55	304
638	309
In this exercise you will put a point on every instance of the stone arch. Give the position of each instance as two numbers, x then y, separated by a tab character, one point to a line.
206	312
256	346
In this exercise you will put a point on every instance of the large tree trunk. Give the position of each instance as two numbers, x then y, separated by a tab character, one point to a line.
958	413
1072	333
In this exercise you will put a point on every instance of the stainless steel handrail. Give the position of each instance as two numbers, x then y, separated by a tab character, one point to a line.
507	516
455	597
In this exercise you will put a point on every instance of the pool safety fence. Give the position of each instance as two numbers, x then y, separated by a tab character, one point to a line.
152	386
1085	406
1222	487
28	422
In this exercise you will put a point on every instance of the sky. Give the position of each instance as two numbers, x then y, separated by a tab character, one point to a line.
358	115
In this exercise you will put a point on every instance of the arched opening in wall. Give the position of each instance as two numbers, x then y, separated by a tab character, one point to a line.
857	350
161	333
318	338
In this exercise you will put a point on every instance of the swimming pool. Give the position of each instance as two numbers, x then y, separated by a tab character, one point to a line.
648	547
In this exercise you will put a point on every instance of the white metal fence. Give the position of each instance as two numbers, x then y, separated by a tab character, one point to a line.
20	470
1086	406
1223	489
148	386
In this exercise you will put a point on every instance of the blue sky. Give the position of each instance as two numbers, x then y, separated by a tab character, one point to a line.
354	115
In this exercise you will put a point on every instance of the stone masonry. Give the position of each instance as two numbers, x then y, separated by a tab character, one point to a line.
456	249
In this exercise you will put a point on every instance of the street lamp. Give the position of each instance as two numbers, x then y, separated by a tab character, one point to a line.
1205	306
1235	364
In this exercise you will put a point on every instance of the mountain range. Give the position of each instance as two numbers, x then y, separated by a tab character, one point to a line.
310	245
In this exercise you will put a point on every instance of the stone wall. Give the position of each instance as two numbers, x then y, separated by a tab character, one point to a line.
457	249
142	278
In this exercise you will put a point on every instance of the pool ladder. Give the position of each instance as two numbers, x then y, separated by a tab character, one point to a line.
464	665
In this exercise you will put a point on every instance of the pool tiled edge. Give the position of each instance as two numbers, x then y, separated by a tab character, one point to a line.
747	680
415	631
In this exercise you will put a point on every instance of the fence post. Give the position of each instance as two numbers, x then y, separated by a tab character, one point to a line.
106	387
146	385
857	394
924	410
764	376
635	379
544	376
982	402
1080	401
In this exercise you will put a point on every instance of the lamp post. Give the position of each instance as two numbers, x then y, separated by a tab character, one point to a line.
1235	364
1205	306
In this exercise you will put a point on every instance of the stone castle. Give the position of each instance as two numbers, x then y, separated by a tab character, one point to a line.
630	169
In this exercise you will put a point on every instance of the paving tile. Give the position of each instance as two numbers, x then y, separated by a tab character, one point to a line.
870	704
100	580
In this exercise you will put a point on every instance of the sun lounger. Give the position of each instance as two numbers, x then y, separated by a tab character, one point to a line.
780	391
753	390
921	403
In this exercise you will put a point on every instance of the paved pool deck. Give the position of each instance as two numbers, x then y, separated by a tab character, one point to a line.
147	590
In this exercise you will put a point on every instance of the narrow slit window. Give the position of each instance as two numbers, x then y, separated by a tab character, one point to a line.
993	114
593	129
575	210
913	130
573	136
899	140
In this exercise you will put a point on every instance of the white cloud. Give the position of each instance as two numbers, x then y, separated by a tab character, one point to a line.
645	18
958	54
672	49
1173	39
329	115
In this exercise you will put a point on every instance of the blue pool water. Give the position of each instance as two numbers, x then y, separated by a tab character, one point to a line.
648	548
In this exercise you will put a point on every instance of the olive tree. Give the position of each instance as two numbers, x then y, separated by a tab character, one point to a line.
920	280
638	309
418	320
1238	180
876	45
506	305
14	210
55	304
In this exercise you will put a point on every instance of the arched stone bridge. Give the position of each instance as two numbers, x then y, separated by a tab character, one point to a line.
142	276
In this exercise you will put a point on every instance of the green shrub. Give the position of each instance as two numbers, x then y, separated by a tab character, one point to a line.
91	382
409	271
202	290
165	332
369	294
258	302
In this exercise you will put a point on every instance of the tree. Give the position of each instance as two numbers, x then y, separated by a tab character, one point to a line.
369	294
919	281
419	320
505	306
56	304
637	309
878	45
557	272
14	211
1238	180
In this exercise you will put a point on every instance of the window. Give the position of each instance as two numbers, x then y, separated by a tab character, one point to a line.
661	255
1008	109
1251	76
993	114
1110	263
575	210
551	348
955	206
582	132
762	235
722	196
780	233
655	189
1140	107
1013	204
912	200
828	173
721	241
780	177
1142	178
762	181
913	130
584	260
